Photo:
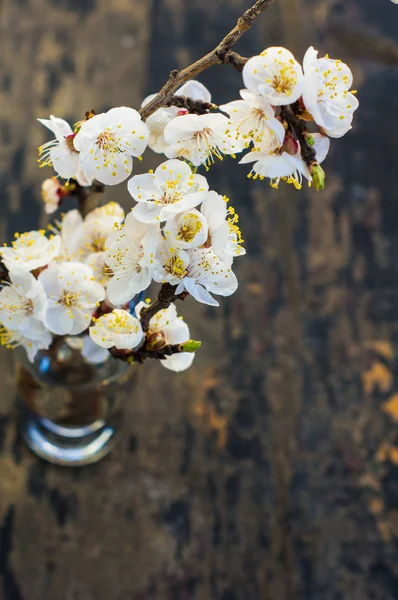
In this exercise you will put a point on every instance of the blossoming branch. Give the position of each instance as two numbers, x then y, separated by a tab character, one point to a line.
85	278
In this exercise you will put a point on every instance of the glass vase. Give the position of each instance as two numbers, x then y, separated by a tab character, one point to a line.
70	410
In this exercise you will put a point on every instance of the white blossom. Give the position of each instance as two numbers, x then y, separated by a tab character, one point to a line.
158	120
85	239
109	213
131	250
171	189
275	75
201	273
326	93
173	330
156	123
170	265
200	138
108	141
31	250
11	339
117	329
253	119
23	304
73	296
66	229
187	230
51	193
198	271
283	166
224	234
59	152
87	243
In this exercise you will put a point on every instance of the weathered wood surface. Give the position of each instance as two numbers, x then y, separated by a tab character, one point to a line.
269	471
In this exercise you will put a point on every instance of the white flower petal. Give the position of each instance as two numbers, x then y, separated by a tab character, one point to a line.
321	146
147	212
59	321
176	332
58	126
195	90
172	171
178	362
65	162
200	293
81	320
214	208
143	187
93	353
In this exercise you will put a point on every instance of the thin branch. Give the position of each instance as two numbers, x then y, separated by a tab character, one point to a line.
196	107
142	353
299	127
222	54
236	60
165	297
88	197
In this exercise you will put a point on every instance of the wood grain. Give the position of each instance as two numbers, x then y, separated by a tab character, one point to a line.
269	471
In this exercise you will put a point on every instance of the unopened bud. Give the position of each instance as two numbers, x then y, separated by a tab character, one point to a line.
318	176
290	145
190	346
309	139
155	340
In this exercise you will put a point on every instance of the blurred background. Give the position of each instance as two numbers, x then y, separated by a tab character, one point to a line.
269	470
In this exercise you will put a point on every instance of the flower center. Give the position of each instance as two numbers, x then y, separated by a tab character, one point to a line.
207	146
97	243
28	306
259	114
283	84
171	194
189	230
69	299
107	141
170	197
175	266
118	323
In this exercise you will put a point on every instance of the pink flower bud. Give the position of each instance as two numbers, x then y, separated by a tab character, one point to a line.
290	145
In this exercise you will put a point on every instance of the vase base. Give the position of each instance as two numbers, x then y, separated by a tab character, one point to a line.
64	445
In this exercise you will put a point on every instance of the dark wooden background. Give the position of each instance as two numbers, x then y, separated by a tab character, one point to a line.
269	471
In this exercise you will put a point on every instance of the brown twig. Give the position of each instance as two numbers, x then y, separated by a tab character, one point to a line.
236	60
222	54
299	128
142	353
192	106
87	197
165	297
